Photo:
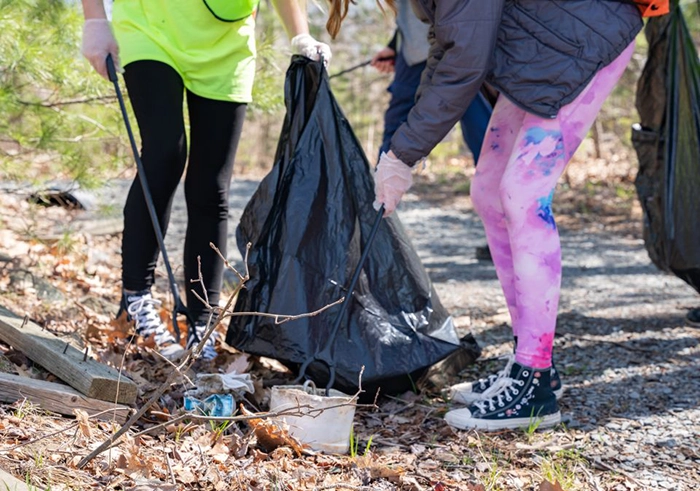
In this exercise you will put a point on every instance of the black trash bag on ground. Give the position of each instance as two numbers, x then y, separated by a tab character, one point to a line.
306	223
668	146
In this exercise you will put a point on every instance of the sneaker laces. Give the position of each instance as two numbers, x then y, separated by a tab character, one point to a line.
143	309
506	389
490	381
195	335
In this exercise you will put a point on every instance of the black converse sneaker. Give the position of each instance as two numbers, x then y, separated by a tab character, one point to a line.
195	334
470	392
142	309
524	397
555	382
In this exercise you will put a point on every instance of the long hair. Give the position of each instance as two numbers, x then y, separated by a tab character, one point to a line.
339	10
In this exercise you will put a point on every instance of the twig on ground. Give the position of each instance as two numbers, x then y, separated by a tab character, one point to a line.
204	417
599	464
389	443
170	467
119	376
343	486
63	430
427	416
309	411
410	404
169	362
591	478
616	343
189	357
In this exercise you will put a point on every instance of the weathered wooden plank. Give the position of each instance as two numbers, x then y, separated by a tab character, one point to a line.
87	376
8	482
88	226
58	398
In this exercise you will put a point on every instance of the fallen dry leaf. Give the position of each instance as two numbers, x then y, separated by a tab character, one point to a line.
83	422
271	435
548	486
409	483
238	445
383	472
241	364
219	452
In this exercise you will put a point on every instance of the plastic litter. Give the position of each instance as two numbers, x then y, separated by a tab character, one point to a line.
307	222
215	383
217	405
668	146
324	422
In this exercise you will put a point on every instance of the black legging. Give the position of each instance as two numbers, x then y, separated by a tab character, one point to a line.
156	94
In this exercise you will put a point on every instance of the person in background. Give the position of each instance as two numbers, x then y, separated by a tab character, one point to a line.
554	63
406	57
169	50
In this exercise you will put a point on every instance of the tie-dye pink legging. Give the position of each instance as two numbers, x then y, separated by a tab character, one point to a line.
521	160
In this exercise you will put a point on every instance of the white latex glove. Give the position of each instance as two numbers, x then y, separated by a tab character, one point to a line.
98	42
391	180
305	45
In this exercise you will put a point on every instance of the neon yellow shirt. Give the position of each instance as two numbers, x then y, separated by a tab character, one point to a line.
216	59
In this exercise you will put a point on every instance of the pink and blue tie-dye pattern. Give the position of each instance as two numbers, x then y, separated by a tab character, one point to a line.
522	158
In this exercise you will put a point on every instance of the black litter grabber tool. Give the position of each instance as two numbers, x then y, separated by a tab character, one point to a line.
325	355
178	306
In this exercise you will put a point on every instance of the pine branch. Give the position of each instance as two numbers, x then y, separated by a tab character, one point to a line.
85	100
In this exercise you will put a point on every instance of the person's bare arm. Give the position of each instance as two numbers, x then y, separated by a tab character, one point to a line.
98	40
94	9
291	14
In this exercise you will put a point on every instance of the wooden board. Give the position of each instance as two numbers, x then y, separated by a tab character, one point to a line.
8	482
87	226
55	397
89	377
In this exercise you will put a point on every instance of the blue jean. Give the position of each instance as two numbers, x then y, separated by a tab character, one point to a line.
403	93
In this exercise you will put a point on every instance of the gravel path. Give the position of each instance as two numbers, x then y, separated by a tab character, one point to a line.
630	366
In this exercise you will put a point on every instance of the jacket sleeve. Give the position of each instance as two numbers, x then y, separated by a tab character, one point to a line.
394	43
463	38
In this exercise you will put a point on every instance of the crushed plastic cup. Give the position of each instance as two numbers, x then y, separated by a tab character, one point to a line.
216	405
322	422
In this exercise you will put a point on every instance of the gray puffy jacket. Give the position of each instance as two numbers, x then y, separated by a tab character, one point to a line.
539	53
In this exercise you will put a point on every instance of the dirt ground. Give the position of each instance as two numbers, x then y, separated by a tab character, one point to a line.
630	366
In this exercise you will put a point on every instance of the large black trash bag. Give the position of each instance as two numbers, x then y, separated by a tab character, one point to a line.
306	223
668	146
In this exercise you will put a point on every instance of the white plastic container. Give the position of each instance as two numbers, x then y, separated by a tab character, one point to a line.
322	422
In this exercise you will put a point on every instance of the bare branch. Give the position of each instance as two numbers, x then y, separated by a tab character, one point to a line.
85	100
282	318
227	264
188	360
189	357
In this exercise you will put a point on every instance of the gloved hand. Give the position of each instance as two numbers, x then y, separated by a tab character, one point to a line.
305	45
98	42
391	180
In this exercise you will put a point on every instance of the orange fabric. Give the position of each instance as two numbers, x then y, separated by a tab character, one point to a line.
653	8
